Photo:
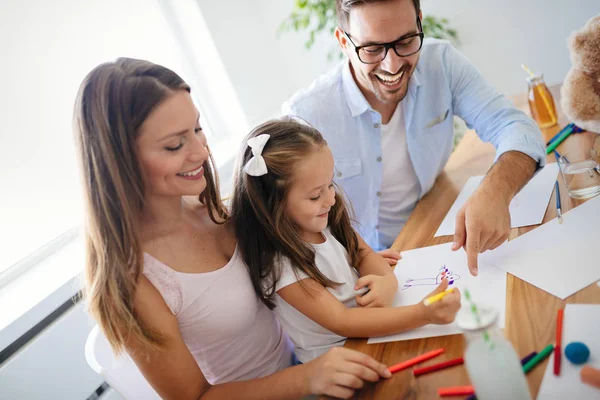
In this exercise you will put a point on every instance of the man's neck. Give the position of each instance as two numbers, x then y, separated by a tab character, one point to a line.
386	110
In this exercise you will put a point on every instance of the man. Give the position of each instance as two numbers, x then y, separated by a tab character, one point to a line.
387	114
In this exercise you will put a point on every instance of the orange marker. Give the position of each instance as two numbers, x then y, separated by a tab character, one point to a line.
456	391
558	348
416	360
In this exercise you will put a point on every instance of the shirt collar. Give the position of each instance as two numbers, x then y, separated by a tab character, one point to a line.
356	100
414	83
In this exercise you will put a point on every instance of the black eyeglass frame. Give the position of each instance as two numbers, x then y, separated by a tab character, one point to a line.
390	45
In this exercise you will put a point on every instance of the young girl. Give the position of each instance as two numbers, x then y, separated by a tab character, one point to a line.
164	279
305	259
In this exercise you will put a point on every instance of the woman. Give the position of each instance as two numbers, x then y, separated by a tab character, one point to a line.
163	277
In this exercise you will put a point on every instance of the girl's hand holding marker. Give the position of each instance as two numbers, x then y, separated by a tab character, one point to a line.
441	305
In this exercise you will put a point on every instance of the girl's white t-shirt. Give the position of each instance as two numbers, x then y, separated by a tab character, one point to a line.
310	338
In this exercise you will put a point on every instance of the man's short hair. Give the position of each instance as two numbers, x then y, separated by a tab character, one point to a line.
343	8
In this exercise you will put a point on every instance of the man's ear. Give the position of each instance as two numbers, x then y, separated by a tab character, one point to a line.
341	39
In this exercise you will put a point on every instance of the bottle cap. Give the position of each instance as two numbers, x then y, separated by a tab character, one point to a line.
467	320
535	78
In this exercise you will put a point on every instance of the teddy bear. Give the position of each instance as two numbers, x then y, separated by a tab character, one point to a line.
580	93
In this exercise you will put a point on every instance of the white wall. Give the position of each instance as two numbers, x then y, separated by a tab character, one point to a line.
264	70
47	48
499	36
496	36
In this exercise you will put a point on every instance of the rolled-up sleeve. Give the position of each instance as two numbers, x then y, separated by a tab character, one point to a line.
492	115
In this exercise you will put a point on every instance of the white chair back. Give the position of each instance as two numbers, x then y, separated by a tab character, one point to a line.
120	373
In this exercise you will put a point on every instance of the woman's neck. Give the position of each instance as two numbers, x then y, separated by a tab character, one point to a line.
162	210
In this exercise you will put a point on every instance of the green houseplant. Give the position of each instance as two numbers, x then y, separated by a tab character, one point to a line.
316	16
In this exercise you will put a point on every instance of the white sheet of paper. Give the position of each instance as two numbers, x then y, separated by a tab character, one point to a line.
558	258
580	324
419	270
527	207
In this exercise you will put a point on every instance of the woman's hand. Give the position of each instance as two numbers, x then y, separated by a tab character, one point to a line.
339	372
382	290
443	311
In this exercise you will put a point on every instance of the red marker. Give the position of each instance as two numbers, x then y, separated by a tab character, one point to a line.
416	360
437	367
558	348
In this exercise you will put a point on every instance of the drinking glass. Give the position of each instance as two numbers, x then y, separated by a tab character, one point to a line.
581	173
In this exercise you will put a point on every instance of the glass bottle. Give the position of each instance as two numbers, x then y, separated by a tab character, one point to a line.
491	361
541	102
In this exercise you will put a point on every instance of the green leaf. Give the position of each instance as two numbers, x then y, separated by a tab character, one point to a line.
317	16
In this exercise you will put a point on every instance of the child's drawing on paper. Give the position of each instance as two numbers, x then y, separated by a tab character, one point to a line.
443	273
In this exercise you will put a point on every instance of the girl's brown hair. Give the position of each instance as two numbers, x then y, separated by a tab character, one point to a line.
113	101
264	231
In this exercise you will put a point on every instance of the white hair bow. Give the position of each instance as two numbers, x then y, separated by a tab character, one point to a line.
257	166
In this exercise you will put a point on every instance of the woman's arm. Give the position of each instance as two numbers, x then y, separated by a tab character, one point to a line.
174	373
318	304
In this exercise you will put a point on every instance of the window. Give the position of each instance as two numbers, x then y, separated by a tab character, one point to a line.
48	47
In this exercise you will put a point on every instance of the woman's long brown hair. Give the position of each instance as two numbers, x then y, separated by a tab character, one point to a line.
263	229
113	101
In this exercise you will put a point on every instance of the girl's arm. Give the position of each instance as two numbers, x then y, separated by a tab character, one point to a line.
174	373
377	275
370	262
318	304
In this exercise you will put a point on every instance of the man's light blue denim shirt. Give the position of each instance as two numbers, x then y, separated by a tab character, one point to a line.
443	85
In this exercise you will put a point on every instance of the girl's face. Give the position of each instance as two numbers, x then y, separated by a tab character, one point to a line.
312	193
172	148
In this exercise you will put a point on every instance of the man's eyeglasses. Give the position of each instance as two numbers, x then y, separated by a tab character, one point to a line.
403	47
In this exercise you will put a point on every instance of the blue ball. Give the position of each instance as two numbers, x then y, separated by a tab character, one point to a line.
577	352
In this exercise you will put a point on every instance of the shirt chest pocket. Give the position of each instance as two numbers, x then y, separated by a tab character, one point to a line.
438	120
347	168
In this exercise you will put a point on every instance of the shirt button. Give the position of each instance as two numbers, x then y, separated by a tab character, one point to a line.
376	125
339	174
378	194
377	227
378	159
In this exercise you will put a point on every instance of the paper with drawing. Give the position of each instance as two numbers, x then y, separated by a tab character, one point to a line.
580	324
527	207
558	258
420	271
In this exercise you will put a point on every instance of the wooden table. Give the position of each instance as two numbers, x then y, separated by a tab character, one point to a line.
530	312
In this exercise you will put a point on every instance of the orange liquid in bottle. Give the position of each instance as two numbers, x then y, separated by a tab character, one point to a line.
541	103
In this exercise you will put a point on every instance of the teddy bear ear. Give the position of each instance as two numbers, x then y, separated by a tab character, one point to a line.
577	41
